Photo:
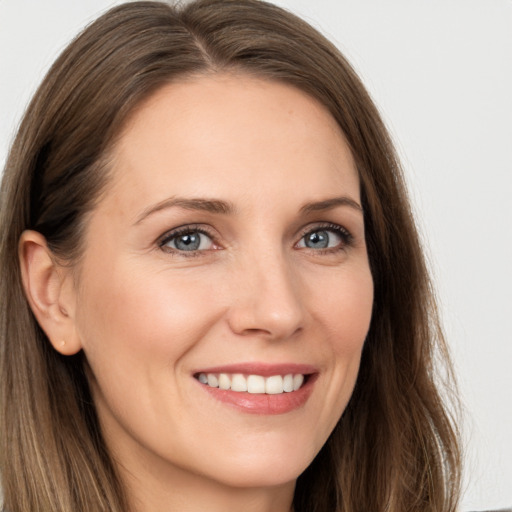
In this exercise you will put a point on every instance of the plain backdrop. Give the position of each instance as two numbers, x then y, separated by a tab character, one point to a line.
441	73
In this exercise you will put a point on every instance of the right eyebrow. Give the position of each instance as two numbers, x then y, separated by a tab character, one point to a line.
196	203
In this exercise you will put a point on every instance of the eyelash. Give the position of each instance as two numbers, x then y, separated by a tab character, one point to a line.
345	236
182	231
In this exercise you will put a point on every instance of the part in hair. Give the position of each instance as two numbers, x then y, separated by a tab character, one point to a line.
396	446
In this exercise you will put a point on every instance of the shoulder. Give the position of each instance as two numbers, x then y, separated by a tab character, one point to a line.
497	510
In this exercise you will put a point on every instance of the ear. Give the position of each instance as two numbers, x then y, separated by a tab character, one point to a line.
50	291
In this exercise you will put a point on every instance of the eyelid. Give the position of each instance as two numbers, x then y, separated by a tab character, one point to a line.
340	230
345	235
184	230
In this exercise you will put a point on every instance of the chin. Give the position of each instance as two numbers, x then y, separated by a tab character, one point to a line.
270	475
263	467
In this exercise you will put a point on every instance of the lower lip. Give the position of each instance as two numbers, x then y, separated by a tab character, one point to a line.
262	403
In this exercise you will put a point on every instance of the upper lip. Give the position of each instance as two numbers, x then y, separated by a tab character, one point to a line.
263	369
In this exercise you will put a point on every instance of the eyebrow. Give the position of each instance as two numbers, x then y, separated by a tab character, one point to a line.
329	204
226	208
195	204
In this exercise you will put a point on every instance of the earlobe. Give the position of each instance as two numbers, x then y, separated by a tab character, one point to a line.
49	291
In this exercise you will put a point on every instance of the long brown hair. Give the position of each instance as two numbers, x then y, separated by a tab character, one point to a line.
396	445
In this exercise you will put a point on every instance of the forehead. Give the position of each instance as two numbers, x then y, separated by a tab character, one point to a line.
218	131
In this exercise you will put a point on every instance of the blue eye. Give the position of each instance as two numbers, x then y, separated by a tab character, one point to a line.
325	238
321	240
187	241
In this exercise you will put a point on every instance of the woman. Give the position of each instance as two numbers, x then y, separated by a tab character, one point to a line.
220	300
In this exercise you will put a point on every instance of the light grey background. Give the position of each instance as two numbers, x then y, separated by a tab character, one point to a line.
441	72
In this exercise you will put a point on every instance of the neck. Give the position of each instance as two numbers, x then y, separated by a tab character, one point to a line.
153	491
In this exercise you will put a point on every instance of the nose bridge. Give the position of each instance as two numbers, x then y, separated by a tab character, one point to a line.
268	298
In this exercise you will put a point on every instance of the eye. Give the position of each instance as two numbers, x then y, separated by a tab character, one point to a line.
187	240
325	237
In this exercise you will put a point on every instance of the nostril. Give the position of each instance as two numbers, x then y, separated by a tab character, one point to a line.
267	302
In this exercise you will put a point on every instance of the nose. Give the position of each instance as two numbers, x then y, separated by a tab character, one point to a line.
267	300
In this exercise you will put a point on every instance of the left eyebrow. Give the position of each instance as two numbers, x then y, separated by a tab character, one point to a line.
329	204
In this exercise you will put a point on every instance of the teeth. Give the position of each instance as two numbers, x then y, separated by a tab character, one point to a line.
288	383
274	385
238	383
212	380
224	381
256	384
297	381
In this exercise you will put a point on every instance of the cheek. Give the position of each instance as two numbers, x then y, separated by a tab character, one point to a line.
346	310
343	313
130	315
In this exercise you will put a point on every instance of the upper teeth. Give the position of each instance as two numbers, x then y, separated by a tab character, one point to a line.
273	385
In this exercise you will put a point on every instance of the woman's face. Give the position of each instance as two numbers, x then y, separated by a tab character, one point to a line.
228	250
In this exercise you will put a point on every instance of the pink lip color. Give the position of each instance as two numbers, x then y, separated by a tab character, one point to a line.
263	403
263	369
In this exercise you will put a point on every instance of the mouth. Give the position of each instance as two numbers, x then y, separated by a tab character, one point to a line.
259	388
253	383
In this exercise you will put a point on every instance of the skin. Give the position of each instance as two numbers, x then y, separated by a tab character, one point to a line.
148	315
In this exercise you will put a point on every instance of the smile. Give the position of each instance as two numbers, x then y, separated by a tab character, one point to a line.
255	384
259	388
